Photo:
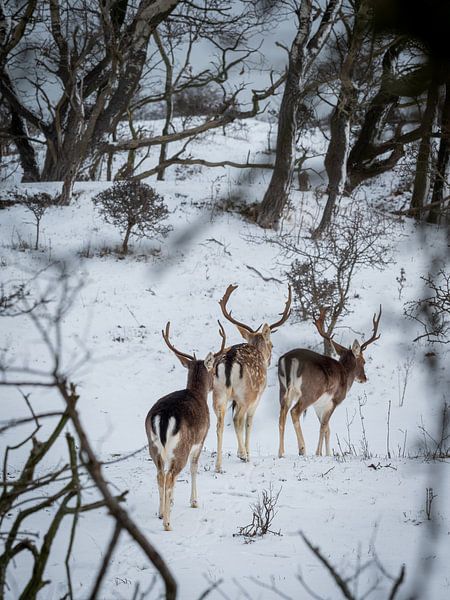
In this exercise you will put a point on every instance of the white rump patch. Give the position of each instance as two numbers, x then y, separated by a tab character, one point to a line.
220	373
296	382
166	452
323	405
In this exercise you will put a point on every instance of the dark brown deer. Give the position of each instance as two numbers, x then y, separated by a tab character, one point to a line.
308	378
240	376
177	425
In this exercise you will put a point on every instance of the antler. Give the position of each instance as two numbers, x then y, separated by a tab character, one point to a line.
319	325
224	339
376	322
223	305
165	335
285	314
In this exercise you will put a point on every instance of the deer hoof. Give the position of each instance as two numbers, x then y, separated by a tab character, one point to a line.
167	527
194	504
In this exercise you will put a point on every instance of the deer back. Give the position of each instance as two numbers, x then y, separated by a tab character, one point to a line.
318	374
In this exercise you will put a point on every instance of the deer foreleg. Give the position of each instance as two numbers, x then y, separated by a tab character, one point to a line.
324	433
320	443
327	440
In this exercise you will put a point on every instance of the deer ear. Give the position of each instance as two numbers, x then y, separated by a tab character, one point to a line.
184	361
266	331
356	348
244	332
209	361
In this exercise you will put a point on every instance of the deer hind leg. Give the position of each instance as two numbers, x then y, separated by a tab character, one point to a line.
238	420
195	455
161	483
170	478
285	403
296	411
219	405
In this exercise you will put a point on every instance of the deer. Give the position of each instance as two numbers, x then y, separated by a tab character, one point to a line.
177	425
307	378
240	375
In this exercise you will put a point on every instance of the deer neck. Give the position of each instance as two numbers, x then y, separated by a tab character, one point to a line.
260	344
347	361
198	380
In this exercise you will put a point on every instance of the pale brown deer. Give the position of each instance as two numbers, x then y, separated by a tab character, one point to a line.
240	375
177	425
308	378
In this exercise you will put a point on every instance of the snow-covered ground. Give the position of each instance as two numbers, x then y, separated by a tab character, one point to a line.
353	506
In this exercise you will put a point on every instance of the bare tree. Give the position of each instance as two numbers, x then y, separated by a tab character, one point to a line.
303	52
323	270
433	312
341	117
135	208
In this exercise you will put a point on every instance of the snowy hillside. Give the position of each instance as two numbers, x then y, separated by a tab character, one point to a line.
366	501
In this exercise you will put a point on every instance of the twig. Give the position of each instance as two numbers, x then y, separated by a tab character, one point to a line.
262	276
106	561
338	579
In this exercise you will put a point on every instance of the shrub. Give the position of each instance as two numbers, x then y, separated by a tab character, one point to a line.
36	203
134	208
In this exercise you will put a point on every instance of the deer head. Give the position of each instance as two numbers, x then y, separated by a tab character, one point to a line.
190	361
356	350
259	337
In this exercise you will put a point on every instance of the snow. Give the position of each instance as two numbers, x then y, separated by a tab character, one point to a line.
349	505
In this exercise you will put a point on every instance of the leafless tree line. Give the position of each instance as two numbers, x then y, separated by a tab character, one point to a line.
73	73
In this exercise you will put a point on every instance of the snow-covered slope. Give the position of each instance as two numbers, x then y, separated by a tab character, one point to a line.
353	505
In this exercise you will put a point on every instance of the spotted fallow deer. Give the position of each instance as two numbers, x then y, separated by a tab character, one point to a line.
240	376
177	425
308	378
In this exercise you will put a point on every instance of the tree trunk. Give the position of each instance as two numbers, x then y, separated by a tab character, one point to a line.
277	193
302	52
38	227
362	163
338	148
440	181
168	98
335	161
27	155
423	166
126	238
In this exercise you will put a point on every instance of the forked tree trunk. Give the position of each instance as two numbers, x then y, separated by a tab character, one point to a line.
363	162
302	52
339	146
168	99
423	163
440	181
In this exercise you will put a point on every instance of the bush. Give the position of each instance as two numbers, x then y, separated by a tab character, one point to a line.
134	208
